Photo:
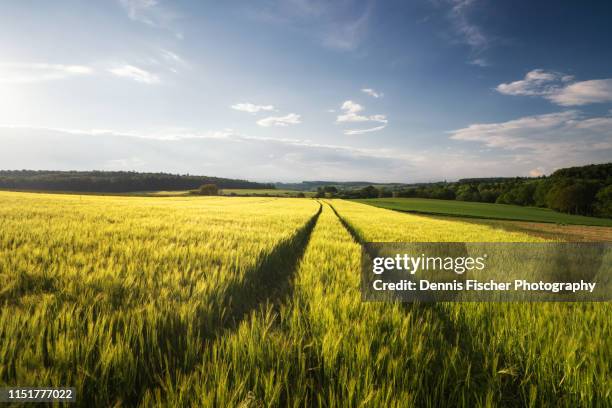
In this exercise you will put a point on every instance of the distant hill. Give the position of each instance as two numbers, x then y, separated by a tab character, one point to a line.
341	185
492	179
112	181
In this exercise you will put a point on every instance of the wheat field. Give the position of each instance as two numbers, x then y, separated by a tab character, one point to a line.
233	301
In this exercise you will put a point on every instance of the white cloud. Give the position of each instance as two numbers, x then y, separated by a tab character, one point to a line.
559	88
251	108
362	131
227	154
536	83
352	114
223	154
525	132
372	92
135	73
17	72
584	92
558	135
557	139
290	119
537	172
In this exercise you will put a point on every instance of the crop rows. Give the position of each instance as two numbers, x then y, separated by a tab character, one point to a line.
108	294
255	302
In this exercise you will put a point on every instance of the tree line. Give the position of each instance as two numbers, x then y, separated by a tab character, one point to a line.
113	181
585	190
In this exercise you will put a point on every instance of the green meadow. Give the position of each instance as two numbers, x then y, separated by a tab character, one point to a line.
483	210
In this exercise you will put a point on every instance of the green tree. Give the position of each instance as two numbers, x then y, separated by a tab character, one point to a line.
368	192
603	205
570	197
385	192
208	189
541	192
330	189
468	192
523	194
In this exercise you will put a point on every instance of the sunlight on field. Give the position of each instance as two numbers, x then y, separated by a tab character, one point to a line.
381	225
222	301
103	289
535	350
322	346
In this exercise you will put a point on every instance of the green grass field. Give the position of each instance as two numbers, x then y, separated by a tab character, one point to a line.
483	210
255	302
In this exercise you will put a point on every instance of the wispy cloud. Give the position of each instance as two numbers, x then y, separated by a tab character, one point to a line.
362	131
526	132
337	25
556	138
290	119
136	74
139	10
459	14
470	33
207	153
347	35
481	62
152	13
266	158
172	61
559	88
252	108
372	93
18	72
352	112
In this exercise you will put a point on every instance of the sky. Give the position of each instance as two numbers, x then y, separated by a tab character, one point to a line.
388	91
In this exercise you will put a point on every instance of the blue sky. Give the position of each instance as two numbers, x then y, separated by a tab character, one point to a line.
300	90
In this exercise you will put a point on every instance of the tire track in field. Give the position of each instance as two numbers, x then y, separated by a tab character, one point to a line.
271	280
457	332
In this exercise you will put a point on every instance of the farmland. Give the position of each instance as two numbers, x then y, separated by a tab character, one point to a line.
483	210
251	301
265	192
